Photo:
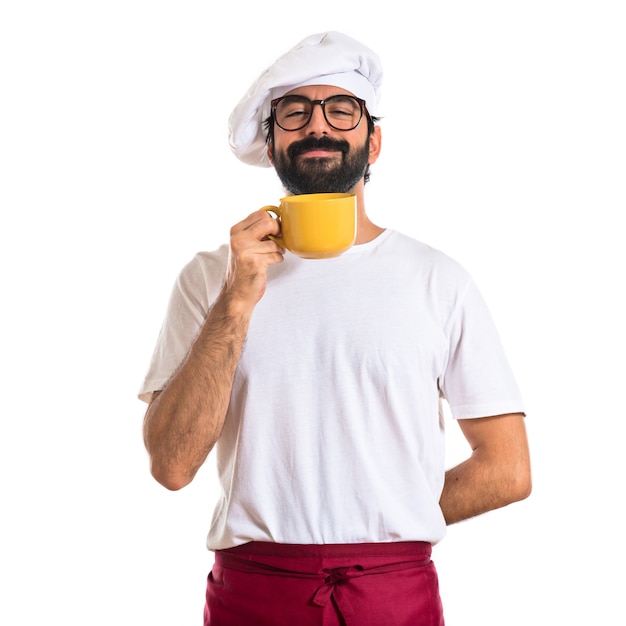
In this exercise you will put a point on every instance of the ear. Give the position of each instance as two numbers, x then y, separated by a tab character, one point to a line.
375	143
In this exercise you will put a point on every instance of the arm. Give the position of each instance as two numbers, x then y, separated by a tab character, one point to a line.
185	419
496	474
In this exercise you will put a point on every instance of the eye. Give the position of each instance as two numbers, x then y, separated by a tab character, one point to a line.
293	109
293	112
338	111
339	107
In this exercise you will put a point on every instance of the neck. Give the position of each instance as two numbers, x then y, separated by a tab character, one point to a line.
366	230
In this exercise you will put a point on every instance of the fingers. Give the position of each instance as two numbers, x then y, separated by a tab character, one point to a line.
251	235
259	225
254	230
251	253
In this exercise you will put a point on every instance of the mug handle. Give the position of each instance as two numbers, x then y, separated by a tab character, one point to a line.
276	211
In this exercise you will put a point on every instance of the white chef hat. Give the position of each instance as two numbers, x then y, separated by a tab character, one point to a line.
329	58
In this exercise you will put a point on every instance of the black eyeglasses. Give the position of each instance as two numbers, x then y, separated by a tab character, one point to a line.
342	112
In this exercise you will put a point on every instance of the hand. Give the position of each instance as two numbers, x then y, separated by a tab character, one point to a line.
250	254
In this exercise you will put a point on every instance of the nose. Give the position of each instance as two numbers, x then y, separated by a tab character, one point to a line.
317	124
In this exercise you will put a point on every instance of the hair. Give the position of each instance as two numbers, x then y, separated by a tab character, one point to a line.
268	125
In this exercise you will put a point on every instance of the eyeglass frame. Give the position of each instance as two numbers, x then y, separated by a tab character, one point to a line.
362	106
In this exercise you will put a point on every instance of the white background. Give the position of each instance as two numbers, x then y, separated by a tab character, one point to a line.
503	144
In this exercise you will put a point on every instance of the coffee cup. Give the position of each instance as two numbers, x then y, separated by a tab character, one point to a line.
316	225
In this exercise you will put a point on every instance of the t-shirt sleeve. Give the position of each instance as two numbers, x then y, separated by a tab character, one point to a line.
193	292
478	380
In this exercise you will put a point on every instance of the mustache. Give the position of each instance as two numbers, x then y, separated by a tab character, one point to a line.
315	143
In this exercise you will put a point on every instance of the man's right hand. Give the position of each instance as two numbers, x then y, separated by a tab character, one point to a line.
251	253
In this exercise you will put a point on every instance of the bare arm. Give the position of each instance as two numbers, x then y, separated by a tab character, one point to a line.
184	421
496	474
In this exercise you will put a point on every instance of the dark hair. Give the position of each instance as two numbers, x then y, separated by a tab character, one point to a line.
268	126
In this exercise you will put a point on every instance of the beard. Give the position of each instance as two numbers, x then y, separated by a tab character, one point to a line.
320	174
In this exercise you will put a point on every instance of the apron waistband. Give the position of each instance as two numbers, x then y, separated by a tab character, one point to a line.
249	558
333	550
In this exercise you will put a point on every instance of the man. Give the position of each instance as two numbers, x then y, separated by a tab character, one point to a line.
320	382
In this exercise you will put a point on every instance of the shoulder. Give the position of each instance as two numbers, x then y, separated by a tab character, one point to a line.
202	276
205	265
422	257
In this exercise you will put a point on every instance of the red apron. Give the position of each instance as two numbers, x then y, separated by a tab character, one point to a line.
370	584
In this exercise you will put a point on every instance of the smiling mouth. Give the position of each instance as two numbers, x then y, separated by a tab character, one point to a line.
316	153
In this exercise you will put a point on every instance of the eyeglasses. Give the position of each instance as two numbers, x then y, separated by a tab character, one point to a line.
342	112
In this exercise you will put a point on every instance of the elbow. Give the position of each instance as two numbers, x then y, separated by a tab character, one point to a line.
172	484
527	487
521	484
172	481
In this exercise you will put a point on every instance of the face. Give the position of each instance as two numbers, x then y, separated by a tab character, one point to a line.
318	158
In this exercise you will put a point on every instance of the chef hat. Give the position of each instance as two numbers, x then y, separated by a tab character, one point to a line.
330	58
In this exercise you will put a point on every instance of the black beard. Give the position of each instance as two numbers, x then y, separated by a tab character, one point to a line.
321	175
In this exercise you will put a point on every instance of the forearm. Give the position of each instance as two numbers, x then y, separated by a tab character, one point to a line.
495	475
469	491
185	420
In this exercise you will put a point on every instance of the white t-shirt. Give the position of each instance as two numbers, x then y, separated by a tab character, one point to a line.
334	432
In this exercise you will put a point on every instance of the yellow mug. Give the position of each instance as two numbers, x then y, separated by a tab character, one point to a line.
316	225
